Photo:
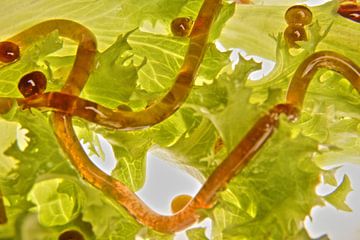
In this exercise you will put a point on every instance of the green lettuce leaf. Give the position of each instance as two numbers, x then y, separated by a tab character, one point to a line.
337	198
196	234
116	223
51	196
267	213
251	24
107	20
114	79
8	136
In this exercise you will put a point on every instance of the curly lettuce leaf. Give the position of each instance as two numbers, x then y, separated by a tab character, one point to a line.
36	158
107	19
263	210
251	24
115	77
8	136
164	56
338	197
52	196
116	223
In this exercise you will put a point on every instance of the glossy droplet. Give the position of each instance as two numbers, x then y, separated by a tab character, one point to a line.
179	202
9	52
350	11
298	15
71	235
32	84
181	27
294	33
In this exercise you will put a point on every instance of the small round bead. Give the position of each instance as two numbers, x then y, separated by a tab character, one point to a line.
350	11
179	202
32	84
294	33
71	235
298	15
9	52
181	27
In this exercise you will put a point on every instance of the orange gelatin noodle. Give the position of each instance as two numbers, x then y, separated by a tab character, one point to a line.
179	202
33	83
9	52
298	15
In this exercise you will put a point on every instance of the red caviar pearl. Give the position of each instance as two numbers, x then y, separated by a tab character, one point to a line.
9	52
298	15
350	11
181	26
32	84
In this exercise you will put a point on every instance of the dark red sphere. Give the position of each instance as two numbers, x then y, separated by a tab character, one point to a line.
9	52
33	83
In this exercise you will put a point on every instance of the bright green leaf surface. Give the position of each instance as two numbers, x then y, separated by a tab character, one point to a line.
196	234
251	24
114	79
8	136
107	20
285	164
47	200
